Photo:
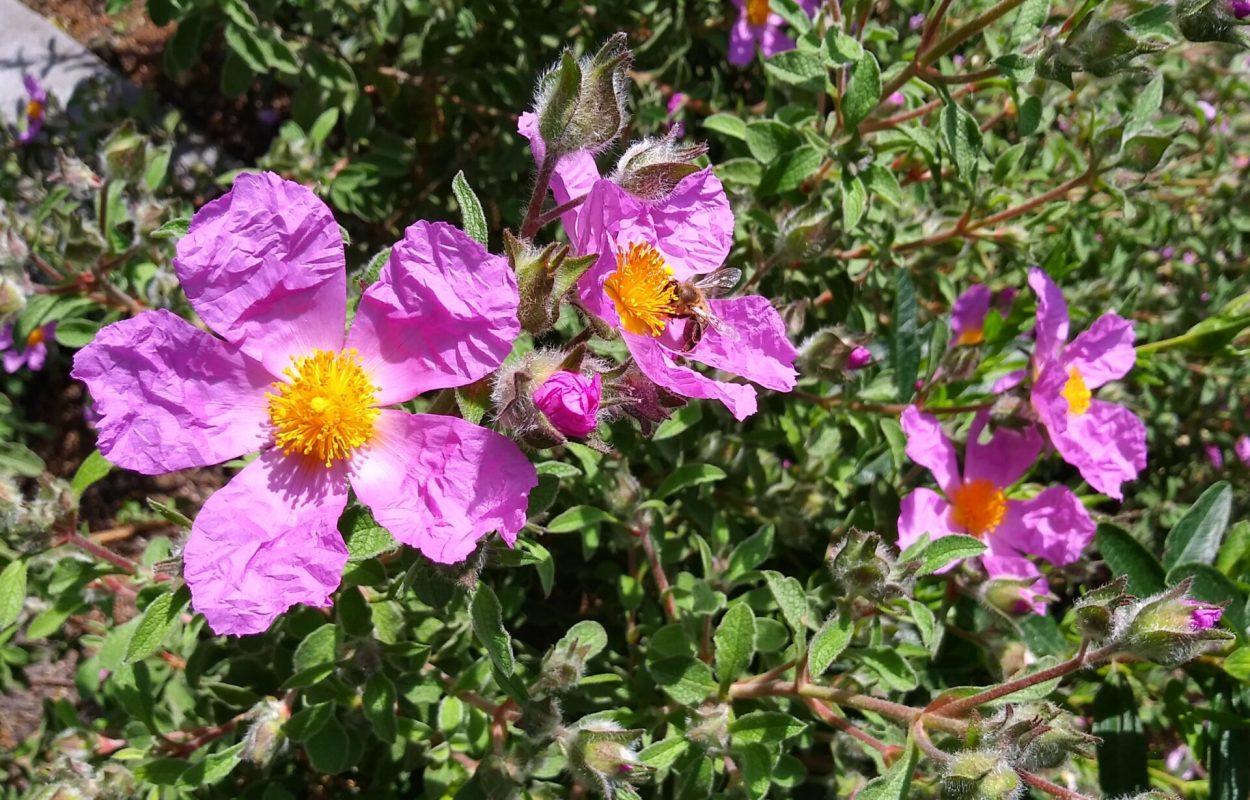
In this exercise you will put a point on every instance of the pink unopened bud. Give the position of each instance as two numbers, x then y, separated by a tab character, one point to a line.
1240	8
570	402
859	358
1204	617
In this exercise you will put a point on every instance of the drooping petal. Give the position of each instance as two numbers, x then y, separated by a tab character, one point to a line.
36	355
754	344
1054	526
657	362
575	174
1052	317
440	484
1005	458
1103	352
170	396
923	511
266	541
928	446
263	266
968	314
1032	597
442	313
1107	445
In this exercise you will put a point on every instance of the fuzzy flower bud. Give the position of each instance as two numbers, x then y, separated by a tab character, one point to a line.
580	104
709	727
264	738
651	168
601	755
1096	611
832	352
1211	20
859	358
12	295
980	775
862	565
570	401
1170	628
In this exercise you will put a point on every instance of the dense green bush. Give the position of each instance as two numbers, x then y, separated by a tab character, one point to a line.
696	606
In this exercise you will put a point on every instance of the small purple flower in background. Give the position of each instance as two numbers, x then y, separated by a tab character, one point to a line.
1208	110
1167	253
972	307
1242	449
896	99
1104	441
915	22
859	358
1216	456
34	351
570	401
758	25
1190	258
676	103
35	108
269	116
1053	526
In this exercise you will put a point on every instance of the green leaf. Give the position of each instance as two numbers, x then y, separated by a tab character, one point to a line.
306	722
828	643
321	128
487	616
790	170
588	635
378	703
578	518
77	332
1146	104
1028	23
963	138
157	167
248	46
750	553
926	622
161	771
765	727
905	337
688	475
791	598
687	680
663	753
1238	664
364	537
1196	537
471	213
895	784
795	15
93	468
727	124
854	201
842	47
158	618
213	769
326	749
756	763
1122	753
943	551
1126	557
767	139
893	669
12	592
174	229
318	648
863	91
735	643
797	68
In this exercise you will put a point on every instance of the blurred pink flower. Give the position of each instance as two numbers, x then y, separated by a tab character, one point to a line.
972	307
757	25
570	401
34	352
1215	455
859	358
264	268
1242	449
36	108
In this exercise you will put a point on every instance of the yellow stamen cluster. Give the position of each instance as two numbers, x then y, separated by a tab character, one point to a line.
757	12
970	336
978	507
1076	393
35	337
642	290
34	109
325	411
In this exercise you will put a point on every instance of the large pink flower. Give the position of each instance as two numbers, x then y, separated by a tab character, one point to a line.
263	266
1104	441
1053	525
644	247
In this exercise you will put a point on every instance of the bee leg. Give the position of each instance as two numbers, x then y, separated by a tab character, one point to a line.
691	335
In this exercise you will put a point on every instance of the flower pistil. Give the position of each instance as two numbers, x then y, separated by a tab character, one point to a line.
325	411
978	506
642	289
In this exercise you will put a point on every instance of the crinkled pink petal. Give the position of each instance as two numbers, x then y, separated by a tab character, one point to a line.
970	309
928	446
1005	458
170	396
657	362
1107	445
263	266
754	345
442	313
1033	597
924	511
1054	526
266	541
742	38
574	176
440	484
1052	317
1104	352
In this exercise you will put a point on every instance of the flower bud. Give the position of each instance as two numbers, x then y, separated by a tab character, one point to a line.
638	396
1013	596
1210	20
570	401
863	566
980	775
601	755
859	358
1096	612
580	104
1171	628
709	727
833	352
544	277
651	169
125	154
264	738
12	293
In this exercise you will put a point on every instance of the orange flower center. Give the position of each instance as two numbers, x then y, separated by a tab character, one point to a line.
1076	393
34	109
325	411
978	507
757	12
970	336
35	337
642	290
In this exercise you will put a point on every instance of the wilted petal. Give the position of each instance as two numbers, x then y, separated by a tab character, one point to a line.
170	396
266	541
1054	525
263	266
928	446
754	346
657	362
574	176
440	484
924	511
1104	352
1005	458
442	313
1052	316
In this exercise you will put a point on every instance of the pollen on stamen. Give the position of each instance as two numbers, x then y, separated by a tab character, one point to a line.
970	336
642	289
324	412
757	12
978	506
1076	393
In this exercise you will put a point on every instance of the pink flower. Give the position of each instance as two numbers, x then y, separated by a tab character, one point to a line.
757	25
1215	455
915	22
675	103
1204	616
645	249
263	266
34	352
972	307
570	401
1240	8
1242	448
36	107
1104	441
1053	525
1208	110
859	358
896	98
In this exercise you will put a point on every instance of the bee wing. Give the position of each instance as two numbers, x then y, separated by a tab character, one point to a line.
718	283
721	328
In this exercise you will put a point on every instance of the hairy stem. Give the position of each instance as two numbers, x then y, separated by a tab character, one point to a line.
545	170
1083	658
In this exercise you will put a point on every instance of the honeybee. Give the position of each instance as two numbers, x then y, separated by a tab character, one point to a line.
691	304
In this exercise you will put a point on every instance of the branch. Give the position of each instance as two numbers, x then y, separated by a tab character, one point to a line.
1082	659
643	534
530	226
